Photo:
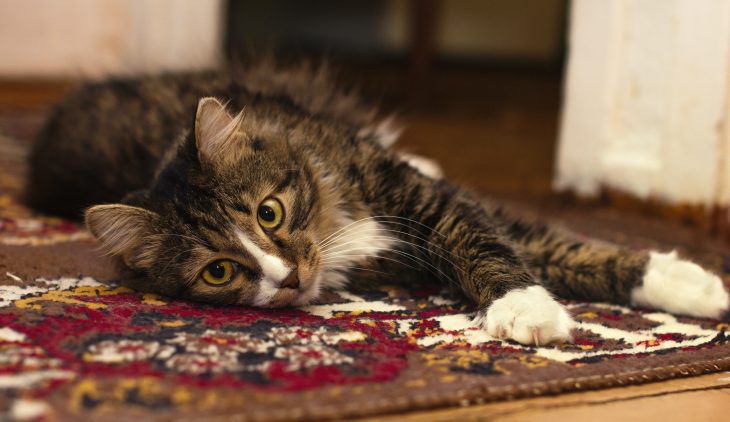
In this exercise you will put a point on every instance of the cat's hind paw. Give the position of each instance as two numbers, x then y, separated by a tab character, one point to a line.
529	316
681	287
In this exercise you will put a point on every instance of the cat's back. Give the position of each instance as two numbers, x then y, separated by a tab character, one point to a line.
106	139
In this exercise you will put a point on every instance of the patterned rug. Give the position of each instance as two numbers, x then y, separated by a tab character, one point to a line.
75	344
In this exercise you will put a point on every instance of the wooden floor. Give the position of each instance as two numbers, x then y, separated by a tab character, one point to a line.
704	398
494	130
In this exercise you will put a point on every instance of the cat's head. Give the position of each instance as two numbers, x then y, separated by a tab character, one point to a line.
234	216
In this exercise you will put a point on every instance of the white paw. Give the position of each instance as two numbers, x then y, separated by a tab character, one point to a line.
425	166
528	316
681	287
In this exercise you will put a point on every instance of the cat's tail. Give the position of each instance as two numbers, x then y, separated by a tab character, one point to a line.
573	268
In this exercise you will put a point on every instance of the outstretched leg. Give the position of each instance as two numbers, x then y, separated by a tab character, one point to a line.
446	229
575	269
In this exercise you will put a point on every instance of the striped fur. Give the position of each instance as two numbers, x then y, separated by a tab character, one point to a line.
354	208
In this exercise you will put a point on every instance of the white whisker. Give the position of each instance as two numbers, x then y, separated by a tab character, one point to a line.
417	259
334	250
411	221
335	260
324	241
430	267
325	249
338	268
327	239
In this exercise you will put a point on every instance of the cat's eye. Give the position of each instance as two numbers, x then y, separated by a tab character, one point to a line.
219	272
270	214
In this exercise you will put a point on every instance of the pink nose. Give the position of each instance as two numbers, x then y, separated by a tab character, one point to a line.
291	281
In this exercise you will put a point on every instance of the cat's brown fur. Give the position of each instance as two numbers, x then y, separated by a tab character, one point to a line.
351	204
107	139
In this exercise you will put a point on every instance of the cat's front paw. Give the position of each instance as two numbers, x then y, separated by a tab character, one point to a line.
681	287
528	316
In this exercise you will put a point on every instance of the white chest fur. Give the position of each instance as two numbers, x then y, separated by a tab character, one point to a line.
355	242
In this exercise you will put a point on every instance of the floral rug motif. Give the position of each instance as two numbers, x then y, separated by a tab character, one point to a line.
72	346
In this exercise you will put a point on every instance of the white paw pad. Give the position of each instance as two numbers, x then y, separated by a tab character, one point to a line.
528	316
681	287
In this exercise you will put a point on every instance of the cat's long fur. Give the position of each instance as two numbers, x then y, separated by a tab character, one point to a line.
192	184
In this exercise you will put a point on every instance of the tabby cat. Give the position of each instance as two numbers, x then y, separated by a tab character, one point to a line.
265	186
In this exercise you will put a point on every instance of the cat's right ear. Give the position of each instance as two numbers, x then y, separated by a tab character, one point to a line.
124	231
215	129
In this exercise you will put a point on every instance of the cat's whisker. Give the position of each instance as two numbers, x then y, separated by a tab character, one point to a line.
414	258
324	241
375	217
348	231
424	240
344	260
421	260
362	230
334	250
411	221
400	232
338	268
342	231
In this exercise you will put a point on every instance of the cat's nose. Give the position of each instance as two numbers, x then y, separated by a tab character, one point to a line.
291	281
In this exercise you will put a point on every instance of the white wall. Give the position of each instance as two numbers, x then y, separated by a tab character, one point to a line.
52	38
647	99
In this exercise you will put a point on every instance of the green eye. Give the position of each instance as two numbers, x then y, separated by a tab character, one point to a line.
270	214
219	272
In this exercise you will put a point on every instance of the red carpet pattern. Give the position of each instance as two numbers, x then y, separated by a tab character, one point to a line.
74	343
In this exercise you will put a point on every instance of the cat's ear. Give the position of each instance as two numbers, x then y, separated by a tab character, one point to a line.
215	129
124	231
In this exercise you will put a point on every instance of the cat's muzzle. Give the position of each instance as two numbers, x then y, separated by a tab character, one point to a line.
291	281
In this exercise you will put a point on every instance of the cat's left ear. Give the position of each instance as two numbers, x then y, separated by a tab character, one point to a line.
124	231
215	129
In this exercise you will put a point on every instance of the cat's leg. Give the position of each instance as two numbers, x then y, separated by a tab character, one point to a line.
456	239
448	232
680	286
577	269
512	303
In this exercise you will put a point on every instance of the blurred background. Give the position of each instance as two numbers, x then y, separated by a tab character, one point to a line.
477	82
619	102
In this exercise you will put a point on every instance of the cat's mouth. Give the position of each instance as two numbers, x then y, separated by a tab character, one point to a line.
305	291
284	297
291	297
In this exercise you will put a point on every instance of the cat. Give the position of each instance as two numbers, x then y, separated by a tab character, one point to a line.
264	186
